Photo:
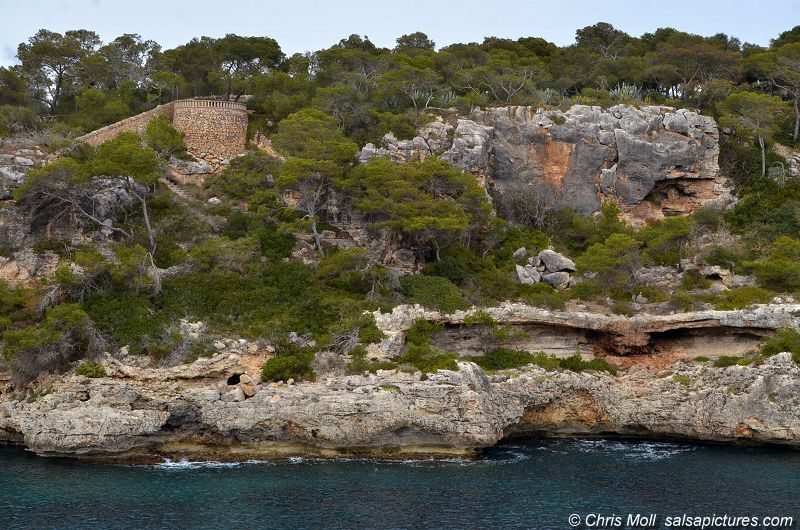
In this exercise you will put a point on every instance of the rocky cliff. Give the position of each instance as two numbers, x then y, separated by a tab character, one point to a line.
217	408
201	411
651	160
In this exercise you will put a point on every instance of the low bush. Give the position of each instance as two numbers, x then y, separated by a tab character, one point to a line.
427	359
541	295
575	363
780	270
682	379
622	307
729	360
784	340
91	369
502	358
612	263
433	292
245	177
421	331
741	297
290	362
163	138
64	335
359	363
585	290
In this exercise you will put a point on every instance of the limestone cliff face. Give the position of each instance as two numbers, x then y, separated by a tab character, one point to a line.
192	412
651	161
217	408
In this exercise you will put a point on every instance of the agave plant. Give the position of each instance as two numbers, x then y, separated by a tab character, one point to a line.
626	92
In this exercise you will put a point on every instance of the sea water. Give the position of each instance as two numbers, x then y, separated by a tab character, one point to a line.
520	484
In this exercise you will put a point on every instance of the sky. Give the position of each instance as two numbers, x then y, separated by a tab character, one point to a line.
307	25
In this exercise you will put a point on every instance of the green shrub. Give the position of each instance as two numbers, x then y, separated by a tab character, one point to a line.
586	290
16	119
126	318
683	300
427	359
576	364
245	177
237	225
274	245
708	217
290	362
729	257
433	292
613	261
541	295
692	280
663	239
781	269
91	369
682	379
651	293
729	360
65	334
58	246
15	304
421	331
577	233
784	340
622	307
359	363
502	358
346	269
163	137
480	318
741	297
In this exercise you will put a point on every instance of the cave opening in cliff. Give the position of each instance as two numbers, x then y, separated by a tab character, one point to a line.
234	379
708	342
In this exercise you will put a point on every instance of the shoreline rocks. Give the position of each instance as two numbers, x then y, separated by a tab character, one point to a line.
139	414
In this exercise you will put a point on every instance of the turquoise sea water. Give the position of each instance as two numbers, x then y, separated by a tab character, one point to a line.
521	484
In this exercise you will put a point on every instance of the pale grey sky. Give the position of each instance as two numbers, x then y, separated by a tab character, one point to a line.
302	25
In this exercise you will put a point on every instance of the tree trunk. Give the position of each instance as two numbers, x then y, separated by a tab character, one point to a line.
57	92
145	214
317	239
763	156
228	93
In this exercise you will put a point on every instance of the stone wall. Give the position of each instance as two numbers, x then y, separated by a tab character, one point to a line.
216	128
213	130
136	124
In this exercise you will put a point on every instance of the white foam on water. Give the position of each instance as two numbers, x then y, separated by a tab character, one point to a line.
637	451
188	464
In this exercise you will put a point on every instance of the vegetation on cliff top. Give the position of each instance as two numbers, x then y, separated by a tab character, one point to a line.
234	263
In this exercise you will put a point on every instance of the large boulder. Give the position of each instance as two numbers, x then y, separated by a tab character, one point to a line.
10	179
527	275
556	279
555	262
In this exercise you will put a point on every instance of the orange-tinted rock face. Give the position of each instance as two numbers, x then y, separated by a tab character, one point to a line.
553	160
651	161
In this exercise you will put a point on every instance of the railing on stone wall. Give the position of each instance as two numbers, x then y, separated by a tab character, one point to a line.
234	105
